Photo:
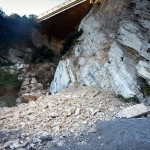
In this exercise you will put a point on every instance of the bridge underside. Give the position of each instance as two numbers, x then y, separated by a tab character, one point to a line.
65	22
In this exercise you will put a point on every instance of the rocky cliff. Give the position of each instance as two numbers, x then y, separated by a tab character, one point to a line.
112	52
40	39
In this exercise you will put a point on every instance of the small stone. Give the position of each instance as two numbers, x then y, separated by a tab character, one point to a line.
12	72
78	111
60	143
35	141
83	143
26	66
32	104
44	105
12	67
6	109
31	118
28	97
22	125
29	112
33	81
57	128
112	109
51	144
31	145
26	82
2	134
20	67
24	71
95	112
53	115
28	75
28	90
85	122
69	112
39	86
18	101
7	144
92	130
15	144
46	138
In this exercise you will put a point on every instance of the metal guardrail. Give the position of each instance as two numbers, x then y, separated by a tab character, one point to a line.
59	8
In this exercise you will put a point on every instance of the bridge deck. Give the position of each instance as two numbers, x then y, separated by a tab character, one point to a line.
63	19
58	9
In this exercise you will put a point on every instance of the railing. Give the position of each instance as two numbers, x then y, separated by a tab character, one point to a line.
59	8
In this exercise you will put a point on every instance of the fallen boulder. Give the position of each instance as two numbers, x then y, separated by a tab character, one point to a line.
134	111
28	97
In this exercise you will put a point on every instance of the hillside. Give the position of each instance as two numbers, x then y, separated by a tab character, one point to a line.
77	93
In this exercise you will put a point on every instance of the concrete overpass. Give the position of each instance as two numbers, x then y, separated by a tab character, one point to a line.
64	18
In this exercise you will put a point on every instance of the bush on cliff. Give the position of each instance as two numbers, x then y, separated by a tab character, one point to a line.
69	41
145	87
8	80
42	54
15	30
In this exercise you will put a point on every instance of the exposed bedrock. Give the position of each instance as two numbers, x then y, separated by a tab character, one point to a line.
112	52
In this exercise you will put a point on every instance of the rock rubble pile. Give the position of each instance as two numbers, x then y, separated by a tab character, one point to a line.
69	112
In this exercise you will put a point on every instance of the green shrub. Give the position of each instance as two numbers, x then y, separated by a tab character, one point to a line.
145	87
7	63
10	101
69	41
133	99
7	80
43	53
15	31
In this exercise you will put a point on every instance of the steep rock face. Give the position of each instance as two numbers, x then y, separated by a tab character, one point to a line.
52	43
108	54
20	55
65	75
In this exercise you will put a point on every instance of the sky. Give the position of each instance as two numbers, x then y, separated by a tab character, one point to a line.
27	7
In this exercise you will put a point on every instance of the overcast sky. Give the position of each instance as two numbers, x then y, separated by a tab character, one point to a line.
26	7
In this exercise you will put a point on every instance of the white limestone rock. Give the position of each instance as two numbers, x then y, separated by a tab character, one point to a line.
123	72
64	75
108	51
33	81
134	111
144	70
19	67
129	34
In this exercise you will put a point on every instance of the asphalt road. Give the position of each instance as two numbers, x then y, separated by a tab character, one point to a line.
121	134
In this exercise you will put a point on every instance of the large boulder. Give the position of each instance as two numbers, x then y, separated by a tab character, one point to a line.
20	55
26	98
134	111
16	56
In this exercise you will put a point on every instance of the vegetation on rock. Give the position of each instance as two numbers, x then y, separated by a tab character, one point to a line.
9	100
69	41
6	63
8	80
145	87
15	30
16	33
43	53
